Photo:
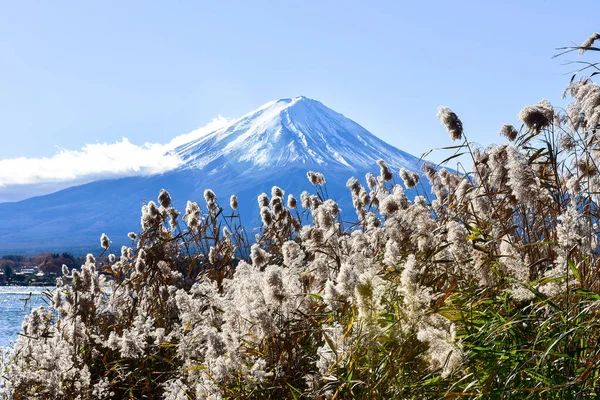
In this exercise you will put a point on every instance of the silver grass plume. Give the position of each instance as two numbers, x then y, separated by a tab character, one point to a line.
263	200
371	181
586	167
104	241
291	201
305	199
538	116
266	216
567	142
389	206
584	111
415	177
430	172
573	184
372	220
589	42
384	171
124	253
209	195
276	206
151	215
226	234
212	255
211	200
408	178
90	259
233	202
192	214
445	176
509	132
277	192
353	185
451	121
140	264
173	215
258	256
316	178
164	198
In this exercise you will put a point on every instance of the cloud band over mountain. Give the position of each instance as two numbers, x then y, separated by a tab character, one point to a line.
25	177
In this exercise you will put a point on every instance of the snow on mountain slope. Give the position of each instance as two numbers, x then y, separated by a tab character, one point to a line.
286	132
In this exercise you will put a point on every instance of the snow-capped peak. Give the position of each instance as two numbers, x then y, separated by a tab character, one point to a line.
274	145
298	131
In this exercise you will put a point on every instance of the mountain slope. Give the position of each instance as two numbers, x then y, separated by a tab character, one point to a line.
290	131
274	145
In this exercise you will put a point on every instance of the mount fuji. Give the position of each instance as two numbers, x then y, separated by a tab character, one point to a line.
275	144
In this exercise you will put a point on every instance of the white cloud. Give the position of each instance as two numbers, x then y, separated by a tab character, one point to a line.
92	162
213	125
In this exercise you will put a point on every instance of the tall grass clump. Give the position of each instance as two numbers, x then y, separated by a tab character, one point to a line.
487	287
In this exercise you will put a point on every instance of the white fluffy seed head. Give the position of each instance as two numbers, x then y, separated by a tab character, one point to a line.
192	214
90	259
430	172
316	178
211	200
291	201
371	181
104	241
384	172
233	202
451	121
173	215
209	195
276	191
151	215
538	116
263	200
277	206
353	185
140	263
389	206
589	42
258	256
408	178
164	198
305	199
509	132
266	216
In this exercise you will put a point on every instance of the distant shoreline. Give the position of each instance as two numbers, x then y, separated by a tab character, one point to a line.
32	284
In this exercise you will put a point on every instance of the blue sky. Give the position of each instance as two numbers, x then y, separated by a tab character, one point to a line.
78	73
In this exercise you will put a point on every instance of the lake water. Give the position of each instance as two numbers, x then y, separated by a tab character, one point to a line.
15	303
